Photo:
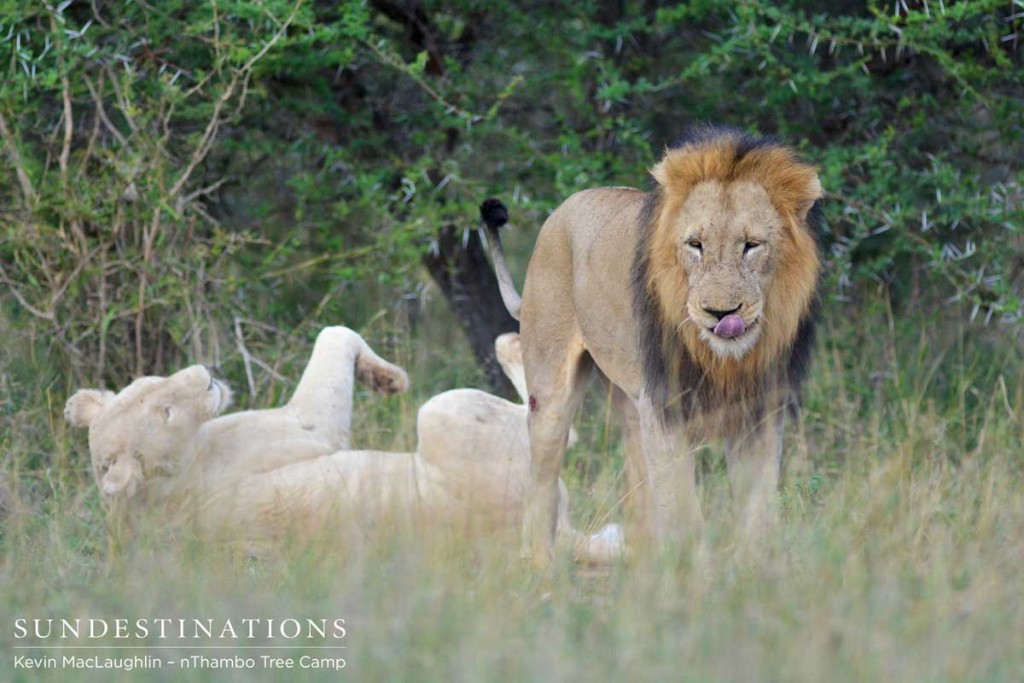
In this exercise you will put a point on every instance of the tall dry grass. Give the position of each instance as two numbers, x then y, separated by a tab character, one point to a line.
899	555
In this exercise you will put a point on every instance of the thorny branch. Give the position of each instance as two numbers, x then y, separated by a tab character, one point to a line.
15	157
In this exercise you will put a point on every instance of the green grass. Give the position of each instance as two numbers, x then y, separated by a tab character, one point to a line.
899	556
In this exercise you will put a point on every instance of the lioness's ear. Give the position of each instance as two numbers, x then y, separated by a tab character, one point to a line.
84	405
509	350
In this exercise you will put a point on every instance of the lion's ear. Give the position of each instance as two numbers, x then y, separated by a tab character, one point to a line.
812	193
84	405
660	173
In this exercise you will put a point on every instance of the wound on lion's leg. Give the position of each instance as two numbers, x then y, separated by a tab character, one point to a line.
533	403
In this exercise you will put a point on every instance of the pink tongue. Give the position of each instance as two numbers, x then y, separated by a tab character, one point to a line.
730	326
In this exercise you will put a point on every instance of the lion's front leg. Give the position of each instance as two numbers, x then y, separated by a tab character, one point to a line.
637	501
672	477
754	459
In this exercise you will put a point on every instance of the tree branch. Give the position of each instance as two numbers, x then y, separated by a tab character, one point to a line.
19	167
206	141
45	315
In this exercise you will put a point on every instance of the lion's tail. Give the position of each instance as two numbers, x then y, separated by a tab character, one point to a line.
495	215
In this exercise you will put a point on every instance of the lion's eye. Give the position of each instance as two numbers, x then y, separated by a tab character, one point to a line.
750	245
695	244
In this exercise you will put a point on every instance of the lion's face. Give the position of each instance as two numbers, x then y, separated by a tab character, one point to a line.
137	436
726	237
729	255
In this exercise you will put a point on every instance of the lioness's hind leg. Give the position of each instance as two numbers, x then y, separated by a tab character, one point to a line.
322	402
602	548
379	375
556	391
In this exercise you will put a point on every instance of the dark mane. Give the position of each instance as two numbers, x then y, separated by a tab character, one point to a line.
706	133
645	307
799	361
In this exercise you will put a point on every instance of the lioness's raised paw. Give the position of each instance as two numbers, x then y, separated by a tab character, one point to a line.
381	376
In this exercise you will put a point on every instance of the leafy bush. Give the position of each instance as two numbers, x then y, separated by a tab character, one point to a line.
176	170
107	238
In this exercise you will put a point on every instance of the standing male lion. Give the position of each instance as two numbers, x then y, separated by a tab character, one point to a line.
697	300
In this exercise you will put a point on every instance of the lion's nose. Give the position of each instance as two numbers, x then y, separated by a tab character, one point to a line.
720	313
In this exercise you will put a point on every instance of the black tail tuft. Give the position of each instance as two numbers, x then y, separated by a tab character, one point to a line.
494	213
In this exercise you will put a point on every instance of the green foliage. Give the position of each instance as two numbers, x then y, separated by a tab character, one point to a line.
106	238
182	179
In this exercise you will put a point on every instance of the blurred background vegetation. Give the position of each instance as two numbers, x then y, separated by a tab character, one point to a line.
213	181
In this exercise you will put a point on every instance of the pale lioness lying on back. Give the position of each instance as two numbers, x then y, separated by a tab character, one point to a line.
258	476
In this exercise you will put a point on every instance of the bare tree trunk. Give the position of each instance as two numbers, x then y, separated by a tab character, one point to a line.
460	267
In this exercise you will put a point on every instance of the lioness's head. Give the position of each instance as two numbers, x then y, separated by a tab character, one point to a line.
731	258
137	436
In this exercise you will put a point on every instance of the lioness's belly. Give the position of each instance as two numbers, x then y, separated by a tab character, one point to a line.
349	492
